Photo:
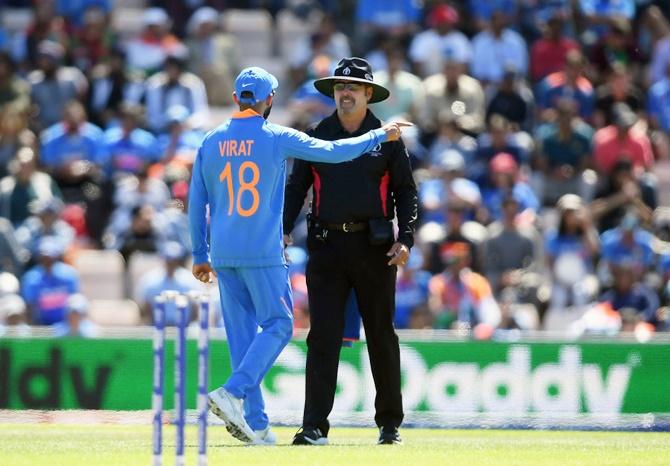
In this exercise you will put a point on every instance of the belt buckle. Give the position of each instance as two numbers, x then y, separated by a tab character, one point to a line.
344	228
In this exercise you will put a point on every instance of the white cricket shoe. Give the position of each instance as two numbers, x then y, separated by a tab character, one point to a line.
231	410
265	437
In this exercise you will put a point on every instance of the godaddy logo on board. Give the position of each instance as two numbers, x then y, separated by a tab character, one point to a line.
513	386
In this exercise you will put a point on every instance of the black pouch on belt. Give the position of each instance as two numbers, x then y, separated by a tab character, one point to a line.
380	231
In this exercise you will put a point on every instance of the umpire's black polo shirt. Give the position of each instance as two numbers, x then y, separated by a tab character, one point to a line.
373	185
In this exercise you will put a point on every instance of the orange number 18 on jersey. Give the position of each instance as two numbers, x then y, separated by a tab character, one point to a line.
226	176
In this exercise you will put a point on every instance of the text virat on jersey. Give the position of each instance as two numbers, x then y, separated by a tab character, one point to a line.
235	148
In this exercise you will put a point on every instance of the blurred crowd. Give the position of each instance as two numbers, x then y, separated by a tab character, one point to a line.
541	133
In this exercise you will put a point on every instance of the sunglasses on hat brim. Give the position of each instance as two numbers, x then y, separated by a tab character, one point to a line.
353	87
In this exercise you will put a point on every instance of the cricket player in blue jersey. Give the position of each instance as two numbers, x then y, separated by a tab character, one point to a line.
240	173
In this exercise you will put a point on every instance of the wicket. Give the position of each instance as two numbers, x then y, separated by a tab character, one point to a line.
182	304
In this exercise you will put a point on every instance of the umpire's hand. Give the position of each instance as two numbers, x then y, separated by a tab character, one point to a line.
204	272
399	253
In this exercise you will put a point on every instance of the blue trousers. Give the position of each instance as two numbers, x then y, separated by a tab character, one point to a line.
257	307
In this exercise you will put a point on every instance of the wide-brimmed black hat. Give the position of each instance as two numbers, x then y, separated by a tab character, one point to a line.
356	70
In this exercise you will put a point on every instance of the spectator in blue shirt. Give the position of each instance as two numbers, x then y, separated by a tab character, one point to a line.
567	84
604	9
45	223
628	242
74	151
398	18
630	294
47	286
658	103
307	105
76	323
499	138
575	234
130	147
53	85
411	295
482	12
496	48
179	145
173	276
599	12
504	173
175	85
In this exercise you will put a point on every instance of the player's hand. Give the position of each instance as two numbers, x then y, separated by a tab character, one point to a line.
204	272
399	253
394	130
288	240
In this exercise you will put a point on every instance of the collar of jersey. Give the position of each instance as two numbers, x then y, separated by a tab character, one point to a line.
248	113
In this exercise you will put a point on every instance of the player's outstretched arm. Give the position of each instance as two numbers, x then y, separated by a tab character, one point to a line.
299	145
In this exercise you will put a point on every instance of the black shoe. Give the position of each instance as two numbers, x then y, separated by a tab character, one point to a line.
389	436
310	437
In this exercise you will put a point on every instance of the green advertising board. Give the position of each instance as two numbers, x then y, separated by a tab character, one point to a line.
438	376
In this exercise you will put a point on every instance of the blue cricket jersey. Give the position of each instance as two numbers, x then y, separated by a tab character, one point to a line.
240	172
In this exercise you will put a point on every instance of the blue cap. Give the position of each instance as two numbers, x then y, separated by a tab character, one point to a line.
257	81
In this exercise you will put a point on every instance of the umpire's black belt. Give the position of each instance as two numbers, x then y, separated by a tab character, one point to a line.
347	227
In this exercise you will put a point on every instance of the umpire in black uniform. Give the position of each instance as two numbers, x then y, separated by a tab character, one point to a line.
352	245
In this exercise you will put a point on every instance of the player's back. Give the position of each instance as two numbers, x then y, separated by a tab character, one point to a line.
244	176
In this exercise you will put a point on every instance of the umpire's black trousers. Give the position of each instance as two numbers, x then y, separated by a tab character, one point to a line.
336	264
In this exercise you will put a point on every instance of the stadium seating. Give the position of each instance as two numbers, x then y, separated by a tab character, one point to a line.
114	312
101	273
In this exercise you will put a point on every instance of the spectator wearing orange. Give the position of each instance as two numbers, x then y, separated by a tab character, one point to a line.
567	83
147	52
461	298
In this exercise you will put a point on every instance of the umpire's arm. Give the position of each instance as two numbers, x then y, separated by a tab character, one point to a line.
404	193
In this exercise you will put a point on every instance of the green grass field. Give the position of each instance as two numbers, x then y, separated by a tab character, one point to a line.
92	445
